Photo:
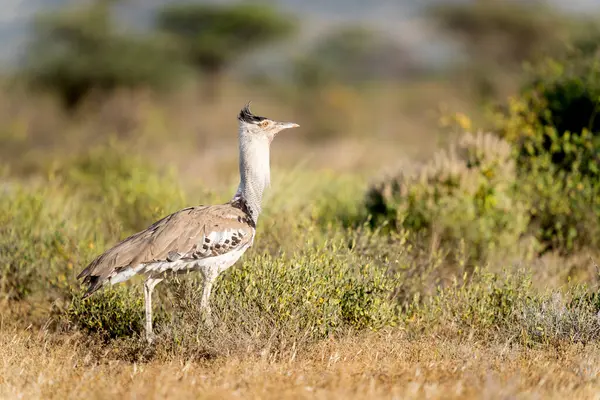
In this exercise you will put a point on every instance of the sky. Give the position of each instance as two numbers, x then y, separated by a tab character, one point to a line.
399	17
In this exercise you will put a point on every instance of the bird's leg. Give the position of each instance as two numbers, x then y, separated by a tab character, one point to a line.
209	279
148	288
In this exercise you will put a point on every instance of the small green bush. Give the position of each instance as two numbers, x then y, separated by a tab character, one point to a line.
481	302
40	242
504	306
322	288
366	305
466	193
564	202
112	313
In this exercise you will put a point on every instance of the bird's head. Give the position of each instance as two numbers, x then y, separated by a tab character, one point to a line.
260	126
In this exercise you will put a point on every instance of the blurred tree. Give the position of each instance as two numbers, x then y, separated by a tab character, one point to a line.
352	54
586	37
76	51
212	36
503	32
499	35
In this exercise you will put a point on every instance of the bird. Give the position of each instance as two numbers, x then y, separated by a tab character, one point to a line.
204	238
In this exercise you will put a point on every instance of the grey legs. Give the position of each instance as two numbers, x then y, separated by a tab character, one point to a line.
148	288
209	280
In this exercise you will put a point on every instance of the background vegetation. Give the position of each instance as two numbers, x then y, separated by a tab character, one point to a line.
430	231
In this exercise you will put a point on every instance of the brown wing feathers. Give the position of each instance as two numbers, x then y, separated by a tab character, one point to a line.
184	234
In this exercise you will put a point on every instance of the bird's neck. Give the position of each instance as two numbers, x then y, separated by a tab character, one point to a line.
255	174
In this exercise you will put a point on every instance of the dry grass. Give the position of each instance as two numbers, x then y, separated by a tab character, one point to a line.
376	365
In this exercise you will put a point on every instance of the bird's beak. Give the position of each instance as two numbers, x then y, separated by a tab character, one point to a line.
287	125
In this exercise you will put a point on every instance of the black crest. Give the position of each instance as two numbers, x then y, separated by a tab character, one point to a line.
247	116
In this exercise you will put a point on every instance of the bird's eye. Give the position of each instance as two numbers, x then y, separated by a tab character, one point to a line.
263	124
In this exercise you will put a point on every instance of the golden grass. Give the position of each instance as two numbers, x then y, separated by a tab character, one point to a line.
35	365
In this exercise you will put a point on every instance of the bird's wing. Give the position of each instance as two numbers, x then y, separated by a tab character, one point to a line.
192	233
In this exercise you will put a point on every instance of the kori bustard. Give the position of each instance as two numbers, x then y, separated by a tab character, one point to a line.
208	239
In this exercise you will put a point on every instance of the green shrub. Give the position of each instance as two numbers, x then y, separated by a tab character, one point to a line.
366	305
554	127
113	312
466	193
321	288
504	306
556	113
40	242
483	302
564	202
566	95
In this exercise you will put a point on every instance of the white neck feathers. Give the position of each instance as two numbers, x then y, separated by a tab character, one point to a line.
255	174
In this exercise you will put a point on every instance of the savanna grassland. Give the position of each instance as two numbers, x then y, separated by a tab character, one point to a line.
444	276
414	244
